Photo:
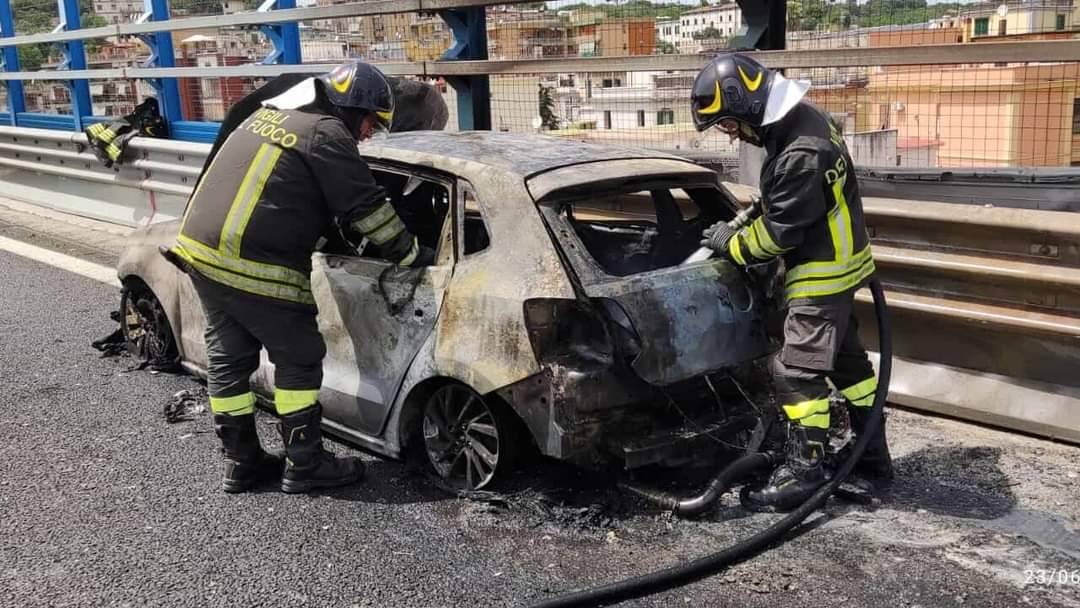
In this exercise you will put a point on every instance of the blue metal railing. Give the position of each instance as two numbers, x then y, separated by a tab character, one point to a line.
467	23
285	38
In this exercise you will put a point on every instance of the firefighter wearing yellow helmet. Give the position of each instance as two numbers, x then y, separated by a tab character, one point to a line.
284	177
813	220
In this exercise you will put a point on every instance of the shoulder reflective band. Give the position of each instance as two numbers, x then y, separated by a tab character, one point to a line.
247	196
861	394
813	413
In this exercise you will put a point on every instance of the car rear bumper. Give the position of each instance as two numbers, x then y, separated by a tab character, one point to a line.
609	416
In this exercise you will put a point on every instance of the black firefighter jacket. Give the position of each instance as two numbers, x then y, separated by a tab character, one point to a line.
813	212
268	195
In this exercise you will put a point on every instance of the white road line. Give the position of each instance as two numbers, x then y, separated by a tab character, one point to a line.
89	270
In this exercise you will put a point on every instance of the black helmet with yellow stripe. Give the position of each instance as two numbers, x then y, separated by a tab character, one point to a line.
735	87
360	86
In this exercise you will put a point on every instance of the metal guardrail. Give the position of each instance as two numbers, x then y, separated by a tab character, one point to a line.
57	169
985	301
1045	188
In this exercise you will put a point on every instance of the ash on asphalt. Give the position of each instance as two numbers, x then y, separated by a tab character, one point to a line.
105	503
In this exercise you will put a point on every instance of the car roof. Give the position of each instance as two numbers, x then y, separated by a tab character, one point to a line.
520	153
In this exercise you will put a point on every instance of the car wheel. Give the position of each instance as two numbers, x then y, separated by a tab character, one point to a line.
467	439
146	327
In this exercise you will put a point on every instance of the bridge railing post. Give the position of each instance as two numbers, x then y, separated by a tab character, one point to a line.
285	37
162	56
9	62
75	59
469	26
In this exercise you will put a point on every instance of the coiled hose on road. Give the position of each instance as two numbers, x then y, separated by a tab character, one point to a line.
686	573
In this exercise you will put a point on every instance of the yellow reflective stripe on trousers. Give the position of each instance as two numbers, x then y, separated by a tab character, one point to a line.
287	401
375	219
255	270
861	394
234	406
113	151
809	413
245	283
247	197
387	232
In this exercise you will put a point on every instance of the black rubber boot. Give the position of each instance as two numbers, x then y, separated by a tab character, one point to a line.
246	463
797	479
307	465
875	465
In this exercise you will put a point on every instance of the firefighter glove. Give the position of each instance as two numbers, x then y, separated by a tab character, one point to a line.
718	236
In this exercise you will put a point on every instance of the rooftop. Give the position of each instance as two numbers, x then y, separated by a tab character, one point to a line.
523	154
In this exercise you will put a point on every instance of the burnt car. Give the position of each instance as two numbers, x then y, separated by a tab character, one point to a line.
558	315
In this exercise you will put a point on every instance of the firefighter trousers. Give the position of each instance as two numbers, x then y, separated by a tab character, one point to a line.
238	326
821	345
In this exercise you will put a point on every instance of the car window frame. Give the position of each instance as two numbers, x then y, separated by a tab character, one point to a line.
464	186
589	270
444	256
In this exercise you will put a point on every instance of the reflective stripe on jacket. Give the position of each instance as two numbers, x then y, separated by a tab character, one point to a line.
272	190
814	215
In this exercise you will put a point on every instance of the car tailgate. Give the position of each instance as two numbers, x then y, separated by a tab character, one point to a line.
690	319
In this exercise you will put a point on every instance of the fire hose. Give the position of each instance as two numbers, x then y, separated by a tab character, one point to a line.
682	574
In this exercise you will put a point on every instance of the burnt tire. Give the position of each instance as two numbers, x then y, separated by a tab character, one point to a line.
470	442
146	328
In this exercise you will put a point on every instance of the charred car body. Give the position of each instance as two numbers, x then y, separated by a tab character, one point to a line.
557	310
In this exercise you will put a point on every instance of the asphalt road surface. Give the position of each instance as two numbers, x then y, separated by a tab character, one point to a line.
104	503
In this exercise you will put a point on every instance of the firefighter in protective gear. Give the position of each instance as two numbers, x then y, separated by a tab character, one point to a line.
813	220
281	177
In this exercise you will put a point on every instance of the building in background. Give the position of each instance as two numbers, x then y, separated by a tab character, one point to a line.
429	38
716	22
1016	17
119	11
528	34
667	34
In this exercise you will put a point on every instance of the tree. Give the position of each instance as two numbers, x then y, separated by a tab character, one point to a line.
709	33
548	119
663	47
34	16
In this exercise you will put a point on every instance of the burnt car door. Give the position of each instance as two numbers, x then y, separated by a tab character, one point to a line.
376	316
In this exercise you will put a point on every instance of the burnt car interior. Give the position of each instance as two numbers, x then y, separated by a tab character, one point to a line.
422	204
635	230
